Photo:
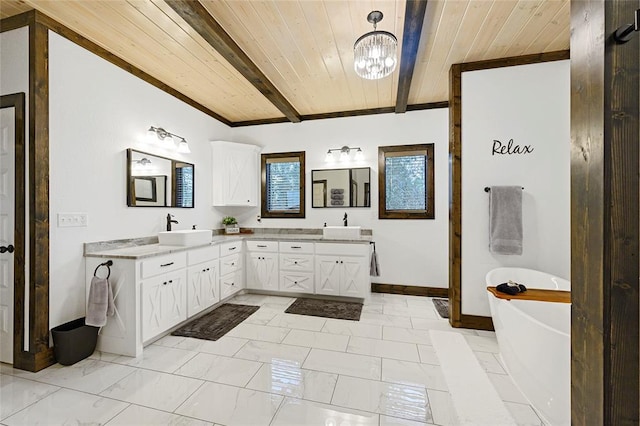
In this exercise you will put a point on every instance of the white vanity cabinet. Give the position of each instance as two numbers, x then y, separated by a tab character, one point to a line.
163	303
163	293
203	290
231	268
296	267
262	265
235	174
342	269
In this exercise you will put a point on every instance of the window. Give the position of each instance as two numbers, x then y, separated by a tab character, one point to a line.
283	185
406	189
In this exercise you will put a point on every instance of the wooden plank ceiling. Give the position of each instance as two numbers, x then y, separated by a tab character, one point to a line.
288	59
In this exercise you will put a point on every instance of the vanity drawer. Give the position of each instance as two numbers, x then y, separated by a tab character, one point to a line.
230	248
163	264
263	246
296	247
296	262
229	264
343	249
203	254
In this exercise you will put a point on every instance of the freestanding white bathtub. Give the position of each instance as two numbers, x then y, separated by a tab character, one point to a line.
535	342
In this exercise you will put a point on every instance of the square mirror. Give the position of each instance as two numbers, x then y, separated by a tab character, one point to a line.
341	188
155	181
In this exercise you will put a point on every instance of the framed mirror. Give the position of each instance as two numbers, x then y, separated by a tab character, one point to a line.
341	188
155	181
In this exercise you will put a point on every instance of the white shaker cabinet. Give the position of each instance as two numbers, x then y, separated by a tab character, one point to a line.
202	279
342	269
296	267
231	268
262	265
163	303
235	174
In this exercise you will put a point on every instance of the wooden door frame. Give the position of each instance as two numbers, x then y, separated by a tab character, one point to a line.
456	317
39	354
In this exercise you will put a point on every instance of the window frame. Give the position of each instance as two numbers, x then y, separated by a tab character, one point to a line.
429	212
281	214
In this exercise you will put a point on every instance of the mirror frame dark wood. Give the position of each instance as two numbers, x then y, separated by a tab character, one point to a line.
171	199
367	198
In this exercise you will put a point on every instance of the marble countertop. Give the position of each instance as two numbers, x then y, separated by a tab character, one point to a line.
140	248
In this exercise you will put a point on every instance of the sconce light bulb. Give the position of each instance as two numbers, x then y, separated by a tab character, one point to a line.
152	136
359	155
329	157
183	147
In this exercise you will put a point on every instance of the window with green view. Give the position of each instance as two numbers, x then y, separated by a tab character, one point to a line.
406	182
283	185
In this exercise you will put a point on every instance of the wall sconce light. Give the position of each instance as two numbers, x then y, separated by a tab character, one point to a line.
345	154
167	137
144	161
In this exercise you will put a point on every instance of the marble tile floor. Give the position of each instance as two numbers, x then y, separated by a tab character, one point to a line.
401	365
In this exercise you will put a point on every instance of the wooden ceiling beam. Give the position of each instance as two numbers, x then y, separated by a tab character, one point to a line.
197	16
413	19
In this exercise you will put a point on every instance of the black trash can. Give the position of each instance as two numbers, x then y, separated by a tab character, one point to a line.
74	341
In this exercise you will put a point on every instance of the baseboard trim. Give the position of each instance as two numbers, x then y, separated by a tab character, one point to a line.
475	322
409	290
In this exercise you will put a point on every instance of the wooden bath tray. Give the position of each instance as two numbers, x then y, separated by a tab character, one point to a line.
558	296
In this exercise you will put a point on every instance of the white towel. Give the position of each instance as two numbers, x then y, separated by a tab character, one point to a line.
505	220
100	303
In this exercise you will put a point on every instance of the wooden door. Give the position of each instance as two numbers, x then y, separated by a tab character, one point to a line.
7	225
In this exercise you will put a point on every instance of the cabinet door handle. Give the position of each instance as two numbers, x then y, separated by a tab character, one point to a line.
296	247
232	248
164	283
170	281
166	264
262	246
341	261
295	262
336	261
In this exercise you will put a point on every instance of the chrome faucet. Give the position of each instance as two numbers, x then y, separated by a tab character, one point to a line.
344	219
170	221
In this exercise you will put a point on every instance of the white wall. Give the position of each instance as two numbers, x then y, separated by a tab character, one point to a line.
531	105
411	252
97	111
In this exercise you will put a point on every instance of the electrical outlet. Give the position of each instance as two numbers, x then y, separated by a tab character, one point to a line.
66	220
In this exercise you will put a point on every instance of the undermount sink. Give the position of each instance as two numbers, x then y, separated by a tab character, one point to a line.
185	237
341	232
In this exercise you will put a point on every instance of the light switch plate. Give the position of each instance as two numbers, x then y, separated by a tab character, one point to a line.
66	220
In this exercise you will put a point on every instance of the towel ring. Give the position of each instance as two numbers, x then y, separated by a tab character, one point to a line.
108	264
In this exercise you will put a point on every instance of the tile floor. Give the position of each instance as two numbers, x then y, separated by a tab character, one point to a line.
401	365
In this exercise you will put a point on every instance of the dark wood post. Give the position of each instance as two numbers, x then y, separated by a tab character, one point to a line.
605	268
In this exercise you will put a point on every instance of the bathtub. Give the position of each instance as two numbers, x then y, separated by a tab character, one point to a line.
535	342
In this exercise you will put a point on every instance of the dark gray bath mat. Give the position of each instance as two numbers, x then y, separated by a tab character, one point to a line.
442	306
216	323
326	308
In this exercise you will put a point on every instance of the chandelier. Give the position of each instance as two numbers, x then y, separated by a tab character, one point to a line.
374	53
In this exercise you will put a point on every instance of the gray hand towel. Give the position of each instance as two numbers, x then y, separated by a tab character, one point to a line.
337	202
505	220
337	190
374	269
100	302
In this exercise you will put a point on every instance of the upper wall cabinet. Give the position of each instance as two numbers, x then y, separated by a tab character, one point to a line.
235	174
